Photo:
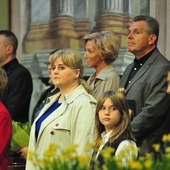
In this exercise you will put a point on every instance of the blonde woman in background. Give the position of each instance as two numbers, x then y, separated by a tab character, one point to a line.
101	51
68	118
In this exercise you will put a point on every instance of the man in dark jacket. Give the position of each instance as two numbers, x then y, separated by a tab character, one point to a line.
17	94
145	81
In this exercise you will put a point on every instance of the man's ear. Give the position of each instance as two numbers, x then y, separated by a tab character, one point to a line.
152	39
10	49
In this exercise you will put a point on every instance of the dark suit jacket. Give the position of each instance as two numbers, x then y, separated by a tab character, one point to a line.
148	90
17	93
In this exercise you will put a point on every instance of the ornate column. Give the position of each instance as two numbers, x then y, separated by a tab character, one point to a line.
38	25
83	17
163	19
110	6
62	8
111	17
61	32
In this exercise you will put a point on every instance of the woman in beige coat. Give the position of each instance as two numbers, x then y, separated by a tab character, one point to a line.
68	117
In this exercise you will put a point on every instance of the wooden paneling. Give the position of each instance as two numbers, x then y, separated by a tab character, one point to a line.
16	163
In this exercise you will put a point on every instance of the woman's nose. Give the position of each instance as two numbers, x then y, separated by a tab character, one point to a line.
85	54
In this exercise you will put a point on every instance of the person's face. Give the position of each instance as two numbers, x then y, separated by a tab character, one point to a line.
63	76
92	55
168	81
48	66
109	116
138	39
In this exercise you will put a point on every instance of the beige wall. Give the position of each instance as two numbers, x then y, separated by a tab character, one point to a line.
19	21
161	11
4	14
158	9
168	30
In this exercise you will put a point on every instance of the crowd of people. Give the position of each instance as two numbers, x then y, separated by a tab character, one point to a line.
78	112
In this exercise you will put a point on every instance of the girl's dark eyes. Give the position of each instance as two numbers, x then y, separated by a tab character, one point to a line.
102	108
111	108
114	108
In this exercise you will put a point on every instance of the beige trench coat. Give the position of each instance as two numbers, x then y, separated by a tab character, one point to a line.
71	123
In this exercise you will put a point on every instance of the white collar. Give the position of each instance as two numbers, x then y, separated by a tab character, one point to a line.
105	136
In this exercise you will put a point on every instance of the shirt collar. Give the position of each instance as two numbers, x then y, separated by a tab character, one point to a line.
143	59
105	136
10	66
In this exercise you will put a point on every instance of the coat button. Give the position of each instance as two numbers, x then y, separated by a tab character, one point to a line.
56	124
52	132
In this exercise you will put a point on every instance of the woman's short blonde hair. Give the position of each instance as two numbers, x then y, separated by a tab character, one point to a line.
106	42
3	79
71	58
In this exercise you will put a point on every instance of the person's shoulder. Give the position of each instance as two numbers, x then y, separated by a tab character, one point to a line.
163	60
4	110
127	142
160	58
22	68
160	63
83	96
86	97
127	146
112	74
79	95
108	72
2	107
21	71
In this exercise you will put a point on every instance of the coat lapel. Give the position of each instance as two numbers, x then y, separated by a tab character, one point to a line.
55	114
136	77
126	75
140	73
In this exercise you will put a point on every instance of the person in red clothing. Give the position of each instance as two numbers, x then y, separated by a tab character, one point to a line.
5	125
